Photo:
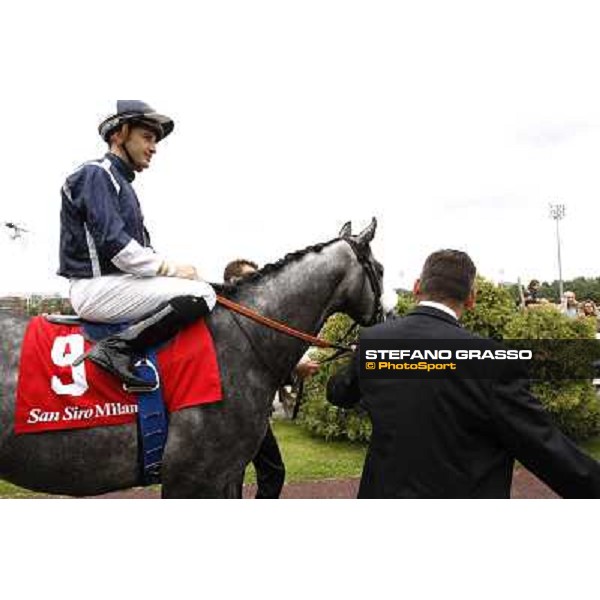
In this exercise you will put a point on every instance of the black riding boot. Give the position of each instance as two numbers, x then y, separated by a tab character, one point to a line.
117	353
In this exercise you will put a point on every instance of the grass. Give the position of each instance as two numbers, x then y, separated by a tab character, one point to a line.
306	458
8	490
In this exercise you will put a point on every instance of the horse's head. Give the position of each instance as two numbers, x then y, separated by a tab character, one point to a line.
363	281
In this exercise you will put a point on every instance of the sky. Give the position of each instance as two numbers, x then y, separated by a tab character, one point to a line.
456	124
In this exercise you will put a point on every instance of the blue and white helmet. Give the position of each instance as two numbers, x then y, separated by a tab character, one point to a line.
136	111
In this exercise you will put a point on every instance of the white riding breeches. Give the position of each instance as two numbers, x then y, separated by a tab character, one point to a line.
119	298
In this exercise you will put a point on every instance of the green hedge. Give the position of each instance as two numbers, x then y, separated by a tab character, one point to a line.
573	405
493	311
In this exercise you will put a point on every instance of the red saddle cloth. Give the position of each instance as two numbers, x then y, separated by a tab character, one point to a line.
52	394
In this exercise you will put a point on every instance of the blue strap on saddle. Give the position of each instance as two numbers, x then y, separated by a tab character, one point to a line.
152	419
152	416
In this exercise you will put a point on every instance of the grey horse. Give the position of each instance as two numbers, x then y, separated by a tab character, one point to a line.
208	446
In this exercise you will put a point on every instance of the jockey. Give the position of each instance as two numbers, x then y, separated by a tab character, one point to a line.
115	274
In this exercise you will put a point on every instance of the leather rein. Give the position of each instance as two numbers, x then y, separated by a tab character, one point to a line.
279	326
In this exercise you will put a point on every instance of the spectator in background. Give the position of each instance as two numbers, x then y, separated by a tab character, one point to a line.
532	293
589	311
237	269
569	306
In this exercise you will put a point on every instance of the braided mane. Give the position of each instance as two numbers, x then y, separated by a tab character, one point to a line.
230	289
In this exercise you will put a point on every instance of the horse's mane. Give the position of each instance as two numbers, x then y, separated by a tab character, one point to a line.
230	289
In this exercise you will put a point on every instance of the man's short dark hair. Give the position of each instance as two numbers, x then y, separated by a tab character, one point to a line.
448	275
235	269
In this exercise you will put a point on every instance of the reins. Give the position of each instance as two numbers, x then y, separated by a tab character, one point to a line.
279	326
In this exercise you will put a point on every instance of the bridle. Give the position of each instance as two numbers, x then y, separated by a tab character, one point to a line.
364	257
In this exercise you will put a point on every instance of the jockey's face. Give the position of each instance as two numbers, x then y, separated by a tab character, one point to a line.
139	143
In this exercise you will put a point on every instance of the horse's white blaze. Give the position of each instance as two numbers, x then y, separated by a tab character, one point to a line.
64	351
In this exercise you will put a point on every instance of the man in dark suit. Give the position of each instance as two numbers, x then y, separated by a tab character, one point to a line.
454	437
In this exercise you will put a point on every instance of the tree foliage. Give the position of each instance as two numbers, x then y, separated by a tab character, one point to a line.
494	309
573	404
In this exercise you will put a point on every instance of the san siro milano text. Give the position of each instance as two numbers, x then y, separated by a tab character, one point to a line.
76	413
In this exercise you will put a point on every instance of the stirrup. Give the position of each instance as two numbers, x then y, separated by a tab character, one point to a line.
140	389
144	389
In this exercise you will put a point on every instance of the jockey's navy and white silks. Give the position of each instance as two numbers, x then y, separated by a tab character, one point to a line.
102	226
105	248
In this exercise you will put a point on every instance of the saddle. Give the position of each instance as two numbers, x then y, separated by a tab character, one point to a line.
92	330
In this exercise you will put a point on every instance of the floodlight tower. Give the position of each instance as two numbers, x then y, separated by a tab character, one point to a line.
557	212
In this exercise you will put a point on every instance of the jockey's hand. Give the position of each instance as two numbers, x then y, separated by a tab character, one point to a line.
186	272
168	269
306	367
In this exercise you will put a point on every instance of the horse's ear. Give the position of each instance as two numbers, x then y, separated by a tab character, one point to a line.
346	230
367	234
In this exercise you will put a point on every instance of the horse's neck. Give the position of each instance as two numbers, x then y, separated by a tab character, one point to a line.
302	294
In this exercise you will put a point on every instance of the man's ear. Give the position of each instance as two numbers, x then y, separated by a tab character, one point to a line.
470	301
120	135
417	287
125	132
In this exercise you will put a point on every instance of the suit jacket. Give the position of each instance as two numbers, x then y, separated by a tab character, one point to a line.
453	437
